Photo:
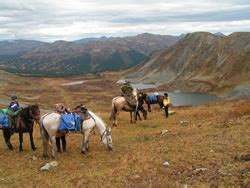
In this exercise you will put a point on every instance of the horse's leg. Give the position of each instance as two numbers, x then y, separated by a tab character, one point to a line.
45	147
134	116
131	121
85	141
53	147
63	138
138	114
115	118
166	111
7	135
149	108
33	147
20	140
58	144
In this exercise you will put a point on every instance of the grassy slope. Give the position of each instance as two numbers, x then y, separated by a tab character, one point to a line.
215	137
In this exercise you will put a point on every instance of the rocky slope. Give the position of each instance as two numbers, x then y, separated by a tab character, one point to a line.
82	56
199	62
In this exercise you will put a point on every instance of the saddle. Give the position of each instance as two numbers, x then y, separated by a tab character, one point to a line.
61	109
14	118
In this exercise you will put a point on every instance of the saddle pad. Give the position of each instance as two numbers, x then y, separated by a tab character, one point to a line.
70	122
153	98
4	120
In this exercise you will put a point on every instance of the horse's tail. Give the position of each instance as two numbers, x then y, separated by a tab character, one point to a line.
43	131
113	110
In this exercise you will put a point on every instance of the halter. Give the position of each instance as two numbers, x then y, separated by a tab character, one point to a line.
105	133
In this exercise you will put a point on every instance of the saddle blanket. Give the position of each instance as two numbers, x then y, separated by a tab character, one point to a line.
4	120
153	98
70	122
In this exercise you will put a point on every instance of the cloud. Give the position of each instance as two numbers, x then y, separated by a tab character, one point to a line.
51	20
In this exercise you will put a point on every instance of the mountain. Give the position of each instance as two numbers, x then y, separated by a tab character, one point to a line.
219	34
14	47
199	62
82	56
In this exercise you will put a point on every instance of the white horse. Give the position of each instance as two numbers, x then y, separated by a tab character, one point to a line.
50	123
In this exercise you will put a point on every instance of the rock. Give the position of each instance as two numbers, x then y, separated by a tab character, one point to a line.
184	122
34	158
166	164
245	157
47	166
53	163
164	131
135	177
199	170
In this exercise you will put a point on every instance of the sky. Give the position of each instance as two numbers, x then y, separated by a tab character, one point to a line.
51	20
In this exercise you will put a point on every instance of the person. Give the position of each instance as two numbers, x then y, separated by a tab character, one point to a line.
60	108
14	109
127	92
166	103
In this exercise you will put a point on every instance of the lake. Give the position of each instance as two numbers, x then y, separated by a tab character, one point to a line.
181	98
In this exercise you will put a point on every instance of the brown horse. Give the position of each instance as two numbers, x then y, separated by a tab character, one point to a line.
27	116
121	104
148	100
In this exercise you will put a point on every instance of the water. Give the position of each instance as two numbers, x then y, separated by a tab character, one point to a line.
144	86
180	98
189	98
73	83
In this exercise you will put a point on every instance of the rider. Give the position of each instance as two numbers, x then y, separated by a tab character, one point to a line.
127	92
166	103
14	109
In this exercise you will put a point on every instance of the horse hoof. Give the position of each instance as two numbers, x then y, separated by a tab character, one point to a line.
34	148
45	156
84	152
10	147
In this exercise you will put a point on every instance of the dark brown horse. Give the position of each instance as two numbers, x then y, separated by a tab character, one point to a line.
27	117
150	99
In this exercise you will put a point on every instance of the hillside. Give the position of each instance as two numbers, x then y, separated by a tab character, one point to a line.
206	151
82	56
199	62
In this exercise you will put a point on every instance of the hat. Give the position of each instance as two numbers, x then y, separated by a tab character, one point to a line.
14	97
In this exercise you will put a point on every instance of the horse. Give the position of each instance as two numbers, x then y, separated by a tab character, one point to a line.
27	117
159	99
121	104
49	126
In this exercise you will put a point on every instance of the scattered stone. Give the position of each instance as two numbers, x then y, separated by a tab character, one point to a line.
199	170
164	131
166	164
34	158
211	151
135	177
47	166
223	173
184	122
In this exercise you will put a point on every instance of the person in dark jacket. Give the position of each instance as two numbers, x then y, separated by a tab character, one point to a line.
14	109
127	92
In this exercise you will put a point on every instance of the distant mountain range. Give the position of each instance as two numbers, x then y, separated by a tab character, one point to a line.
199	62
81	56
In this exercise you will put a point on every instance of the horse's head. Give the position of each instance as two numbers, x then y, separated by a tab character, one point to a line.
34	112
107	139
